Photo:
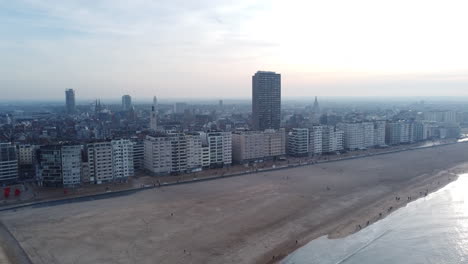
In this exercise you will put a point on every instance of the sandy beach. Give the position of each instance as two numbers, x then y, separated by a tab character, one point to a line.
256	218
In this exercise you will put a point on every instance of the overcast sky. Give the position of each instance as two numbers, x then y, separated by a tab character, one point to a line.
211	48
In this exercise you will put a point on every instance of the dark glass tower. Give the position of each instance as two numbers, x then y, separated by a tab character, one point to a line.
266	100
70	101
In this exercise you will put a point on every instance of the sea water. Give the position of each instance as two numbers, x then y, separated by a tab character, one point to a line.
433	229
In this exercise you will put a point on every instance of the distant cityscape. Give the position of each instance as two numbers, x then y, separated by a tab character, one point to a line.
77	145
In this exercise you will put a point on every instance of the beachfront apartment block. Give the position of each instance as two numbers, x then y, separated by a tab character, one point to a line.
220	147
8	163
298	142
332	139
175	153
138	154
379	133
205	156
441	116
71	165
276	142
362	135
248	146
110	161
60	165
100	162
353	135
398	132
195	152
122	160
258	145
410	131
316	140
368	134
158	154
179	157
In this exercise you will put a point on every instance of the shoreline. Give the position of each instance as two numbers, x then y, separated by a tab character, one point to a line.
419	187
233	220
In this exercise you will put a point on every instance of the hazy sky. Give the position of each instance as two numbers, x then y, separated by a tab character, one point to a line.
211	48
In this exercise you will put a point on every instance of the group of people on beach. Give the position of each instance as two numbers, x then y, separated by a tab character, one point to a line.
397	198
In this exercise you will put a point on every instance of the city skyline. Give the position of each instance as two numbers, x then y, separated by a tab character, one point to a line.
204	50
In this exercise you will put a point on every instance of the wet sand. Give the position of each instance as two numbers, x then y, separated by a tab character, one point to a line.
257	218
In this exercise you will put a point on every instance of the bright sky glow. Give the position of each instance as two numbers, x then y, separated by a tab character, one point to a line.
208	48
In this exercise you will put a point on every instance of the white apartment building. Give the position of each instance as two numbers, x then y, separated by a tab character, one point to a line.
179	158
122	159
100	162
158	154
220	146
361	135
194	152
368	134
298	142
332	139
179	153
405	132
205	152
379	133
316	140
353	135
110	161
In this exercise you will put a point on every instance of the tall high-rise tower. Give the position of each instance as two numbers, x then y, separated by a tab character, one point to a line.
70	101
266	100
126	102
154	115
